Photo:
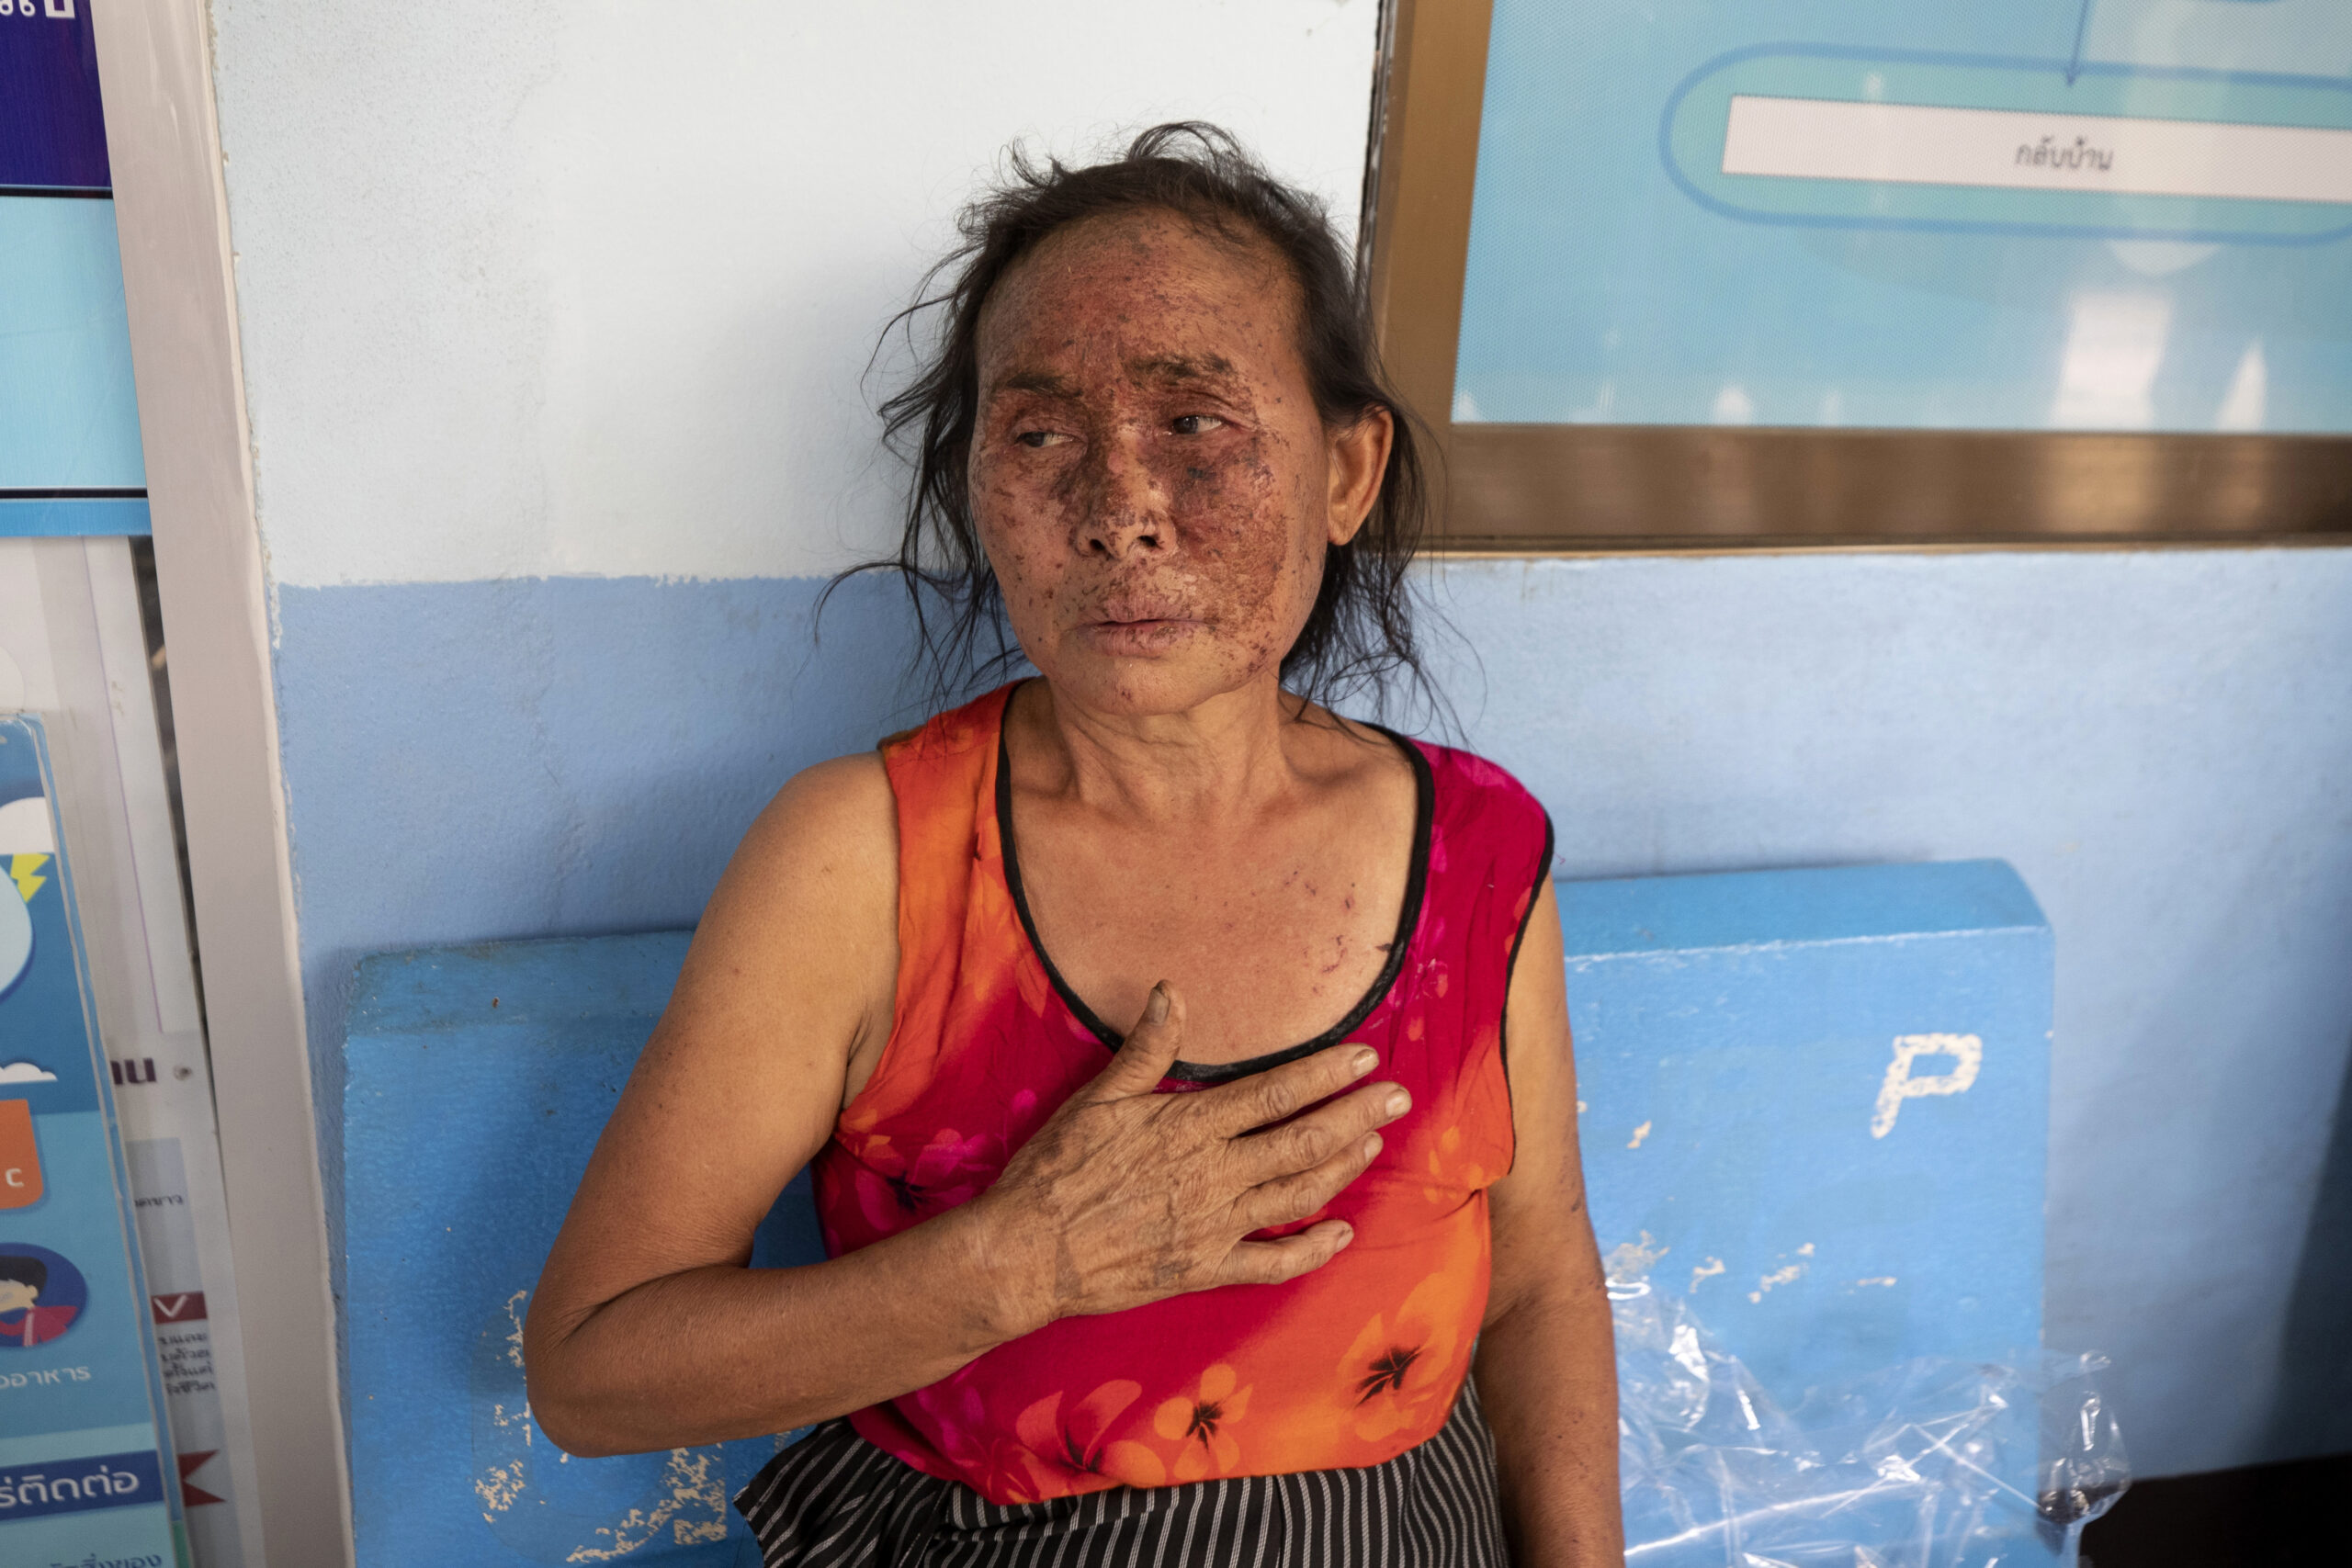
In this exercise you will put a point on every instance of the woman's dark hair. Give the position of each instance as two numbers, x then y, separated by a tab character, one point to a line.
1360	633
21	1271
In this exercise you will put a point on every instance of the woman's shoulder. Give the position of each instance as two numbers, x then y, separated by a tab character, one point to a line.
967	730
803	923
853	803
840	812
837	786
1470	774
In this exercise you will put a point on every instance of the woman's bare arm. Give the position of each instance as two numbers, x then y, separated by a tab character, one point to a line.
790	977
648	1331
1546	1365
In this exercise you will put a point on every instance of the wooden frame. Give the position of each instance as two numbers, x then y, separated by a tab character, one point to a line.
155	64
1515	487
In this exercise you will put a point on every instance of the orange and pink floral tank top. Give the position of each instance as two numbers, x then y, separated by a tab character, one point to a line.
1348	1366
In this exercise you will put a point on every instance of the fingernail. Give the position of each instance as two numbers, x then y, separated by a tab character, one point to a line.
1347	1235
1154	1007
1372	1146
1400	1103
1362	1062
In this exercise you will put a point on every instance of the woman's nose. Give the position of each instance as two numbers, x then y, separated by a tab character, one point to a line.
1126	505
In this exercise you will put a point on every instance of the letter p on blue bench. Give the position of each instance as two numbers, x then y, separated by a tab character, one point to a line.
1817	1104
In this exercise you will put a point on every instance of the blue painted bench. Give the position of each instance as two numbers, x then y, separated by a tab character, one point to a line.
1812	1101
1815	1103
477	1079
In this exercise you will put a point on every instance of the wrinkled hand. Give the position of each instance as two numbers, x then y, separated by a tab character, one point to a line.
1126	1196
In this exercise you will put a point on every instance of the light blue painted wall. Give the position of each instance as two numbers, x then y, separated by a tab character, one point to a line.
2161	743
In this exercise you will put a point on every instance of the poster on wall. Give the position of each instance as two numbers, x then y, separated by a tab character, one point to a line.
2021	215
86	1468
70	461
74	652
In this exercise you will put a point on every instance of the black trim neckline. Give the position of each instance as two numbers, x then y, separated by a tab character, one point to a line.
1408	920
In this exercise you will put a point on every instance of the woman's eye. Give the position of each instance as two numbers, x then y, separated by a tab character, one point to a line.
1037	438
1194	423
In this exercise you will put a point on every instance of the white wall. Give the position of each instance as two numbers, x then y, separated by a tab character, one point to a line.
559	288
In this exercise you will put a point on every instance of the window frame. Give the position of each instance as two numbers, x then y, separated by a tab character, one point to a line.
1580	487
179	289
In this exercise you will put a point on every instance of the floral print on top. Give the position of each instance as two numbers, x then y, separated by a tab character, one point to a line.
1348	1366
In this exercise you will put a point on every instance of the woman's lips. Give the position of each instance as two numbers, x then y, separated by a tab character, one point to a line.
1142	636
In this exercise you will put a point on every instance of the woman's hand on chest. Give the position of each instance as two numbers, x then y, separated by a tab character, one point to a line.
1126	1196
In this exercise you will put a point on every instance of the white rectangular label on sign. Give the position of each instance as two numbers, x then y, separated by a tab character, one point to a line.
2013	150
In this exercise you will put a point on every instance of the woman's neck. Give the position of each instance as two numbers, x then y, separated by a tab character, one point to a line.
1222	760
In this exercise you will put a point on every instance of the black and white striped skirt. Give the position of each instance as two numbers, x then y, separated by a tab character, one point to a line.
833	1500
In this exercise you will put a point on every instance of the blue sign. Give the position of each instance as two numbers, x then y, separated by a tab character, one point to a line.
75	1486
2010	215
84	1455
52	132
70	459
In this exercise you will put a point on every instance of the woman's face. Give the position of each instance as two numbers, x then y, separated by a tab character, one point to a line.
1149	475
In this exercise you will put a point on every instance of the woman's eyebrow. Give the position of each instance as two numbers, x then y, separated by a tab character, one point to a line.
1178	368
1047	383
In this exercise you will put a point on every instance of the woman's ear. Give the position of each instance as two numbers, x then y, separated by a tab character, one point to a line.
1358	462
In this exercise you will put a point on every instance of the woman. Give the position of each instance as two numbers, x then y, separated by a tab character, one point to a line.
1194	1295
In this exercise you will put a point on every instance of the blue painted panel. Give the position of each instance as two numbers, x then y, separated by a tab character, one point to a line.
1816	1105
477	1082
73	516
69	410
1831	1219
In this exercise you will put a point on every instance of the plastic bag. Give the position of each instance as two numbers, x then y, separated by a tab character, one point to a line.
1931	1463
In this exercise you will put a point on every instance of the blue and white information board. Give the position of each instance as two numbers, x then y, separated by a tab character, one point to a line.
86	1473
2007	214
69	461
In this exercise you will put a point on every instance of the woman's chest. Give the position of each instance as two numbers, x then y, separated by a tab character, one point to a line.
1268	944
957	1106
